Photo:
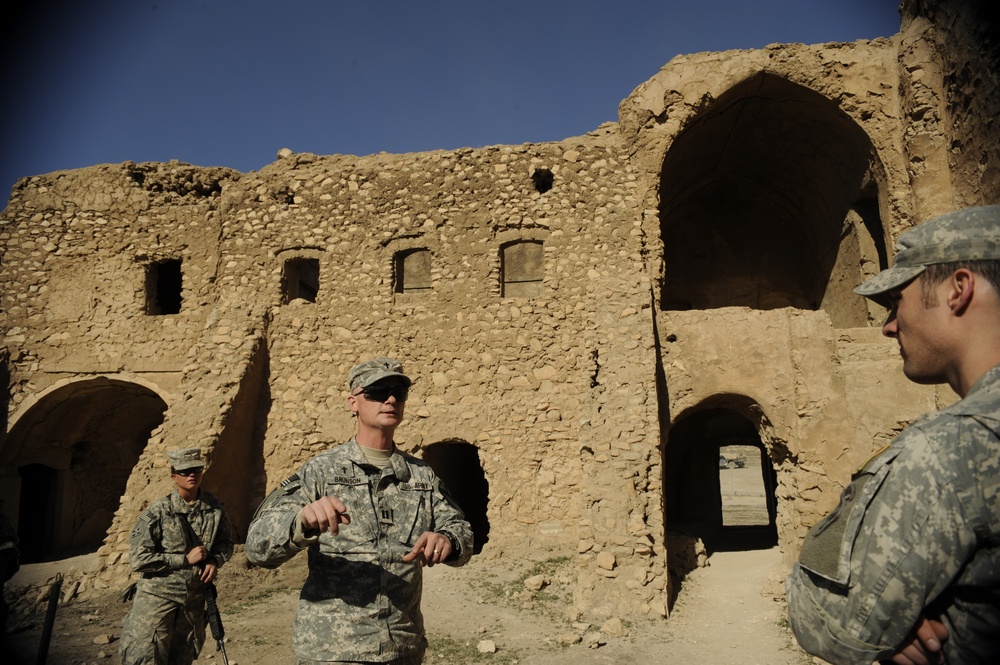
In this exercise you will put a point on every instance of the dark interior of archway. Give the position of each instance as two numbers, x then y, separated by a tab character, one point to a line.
691	480
457	464
36	514
88	436
754	196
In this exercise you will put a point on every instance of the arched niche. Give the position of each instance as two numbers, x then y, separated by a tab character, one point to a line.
67	458
769	199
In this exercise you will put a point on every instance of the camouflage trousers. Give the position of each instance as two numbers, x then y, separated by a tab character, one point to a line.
415	659
163	632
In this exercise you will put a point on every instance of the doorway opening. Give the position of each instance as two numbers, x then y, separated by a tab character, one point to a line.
456	463
719	482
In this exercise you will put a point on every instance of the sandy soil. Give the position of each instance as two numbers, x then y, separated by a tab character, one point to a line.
729	612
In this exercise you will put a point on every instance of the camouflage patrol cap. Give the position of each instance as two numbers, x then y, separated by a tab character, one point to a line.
186	458
365	374
970	234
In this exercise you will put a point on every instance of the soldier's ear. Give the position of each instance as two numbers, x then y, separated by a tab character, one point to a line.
962	286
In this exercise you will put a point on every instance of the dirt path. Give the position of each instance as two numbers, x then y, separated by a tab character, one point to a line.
726	613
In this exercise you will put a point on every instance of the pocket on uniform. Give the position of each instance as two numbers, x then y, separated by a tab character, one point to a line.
359	536
827	548
415	515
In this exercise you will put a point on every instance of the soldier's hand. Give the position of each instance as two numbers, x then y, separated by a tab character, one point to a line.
325	514
196	556
430	548
923	645
209	572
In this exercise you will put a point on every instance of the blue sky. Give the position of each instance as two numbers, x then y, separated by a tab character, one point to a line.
230	82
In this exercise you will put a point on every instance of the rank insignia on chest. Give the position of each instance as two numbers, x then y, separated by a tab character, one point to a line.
385	516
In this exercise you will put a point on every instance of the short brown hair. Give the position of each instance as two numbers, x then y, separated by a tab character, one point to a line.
938	272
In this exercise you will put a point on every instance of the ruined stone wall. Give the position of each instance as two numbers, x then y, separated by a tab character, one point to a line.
507	375
568	396
77	245
952	58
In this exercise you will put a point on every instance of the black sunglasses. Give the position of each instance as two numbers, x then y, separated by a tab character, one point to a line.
382	393
187	472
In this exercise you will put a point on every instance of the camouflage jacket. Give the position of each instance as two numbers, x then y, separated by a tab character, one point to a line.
160	541
360	601
916	532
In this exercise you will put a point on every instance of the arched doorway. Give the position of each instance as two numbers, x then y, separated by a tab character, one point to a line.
719	482
770	199
67	459
456	463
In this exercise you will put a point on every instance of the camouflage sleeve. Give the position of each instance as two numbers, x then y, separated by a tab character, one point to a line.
146	552
869	569
450	520
269	539
222	546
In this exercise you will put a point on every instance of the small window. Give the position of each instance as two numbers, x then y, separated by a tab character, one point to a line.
522	265
543	179
413	271
163	287
300	280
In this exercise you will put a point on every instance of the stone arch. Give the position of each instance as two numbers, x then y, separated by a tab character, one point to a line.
693	502
769	198
456	463
68	456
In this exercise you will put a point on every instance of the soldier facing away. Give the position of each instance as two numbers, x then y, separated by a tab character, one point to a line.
370	517
178	545
907	567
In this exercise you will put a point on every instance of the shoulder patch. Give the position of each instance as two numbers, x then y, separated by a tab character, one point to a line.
289	485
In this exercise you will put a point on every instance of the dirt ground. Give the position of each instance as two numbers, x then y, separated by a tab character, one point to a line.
731	611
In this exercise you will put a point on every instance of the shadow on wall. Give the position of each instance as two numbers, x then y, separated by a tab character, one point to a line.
237	476
456	463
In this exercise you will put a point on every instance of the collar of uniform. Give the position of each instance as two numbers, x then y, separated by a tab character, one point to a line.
179	505
987	381
398	463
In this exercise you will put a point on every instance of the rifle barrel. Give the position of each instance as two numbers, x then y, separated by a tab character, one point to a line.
50	619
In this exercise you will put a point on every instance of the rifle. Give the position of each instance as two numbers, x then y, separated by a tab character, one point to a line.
215	621
50	619
211	607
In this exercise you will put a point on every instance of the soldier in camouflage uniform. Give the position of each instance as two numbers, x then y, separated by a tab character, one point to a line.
178	545
370	517
907	567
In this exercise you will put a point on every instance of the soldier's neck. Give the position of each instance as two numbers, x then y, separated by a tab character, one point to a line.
374	438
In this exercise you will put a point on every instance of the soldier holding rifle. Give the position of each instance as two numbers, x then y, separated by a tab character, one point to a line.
178	545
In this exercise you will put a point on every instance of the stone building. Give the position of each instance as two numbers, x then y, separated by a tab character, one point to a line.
589	320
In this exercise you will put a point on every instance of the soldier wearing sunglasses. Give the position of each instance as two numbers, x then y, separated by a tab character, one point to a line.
177	547
371	517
